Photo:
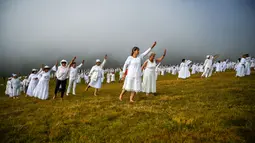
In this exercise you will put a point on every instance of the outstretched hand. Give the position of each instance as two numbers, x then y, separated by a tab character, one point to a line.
82	61
164	52
105	57
154	44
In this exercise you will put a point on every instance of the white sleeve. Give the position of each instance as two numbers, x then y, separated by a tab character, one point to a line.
79	66
103	63
145	53
91	71
127	62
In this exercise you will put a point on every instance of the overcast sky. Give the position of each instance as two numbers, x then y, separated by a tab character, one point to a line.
43	31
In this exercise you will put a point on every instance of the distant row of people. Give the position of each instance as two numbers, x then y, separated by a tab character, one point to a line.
138	76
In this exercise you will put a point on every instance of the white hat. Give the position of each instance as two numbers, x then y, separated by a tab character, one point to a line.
14	74
98	61
208	56
9	78
46	67
34	70
63	61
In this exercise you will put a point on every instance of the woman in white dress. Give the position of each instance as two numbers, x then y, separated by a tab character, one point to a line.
240	72
33	81
149	77
42	89
218	67
15	85
8	90
96	75
184	69
133	75
247	65
113	77
108	76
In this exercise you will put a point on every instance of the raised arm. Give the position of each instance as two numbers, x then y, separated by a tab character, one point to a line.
81	64
71	62
158	60
148	50
103	63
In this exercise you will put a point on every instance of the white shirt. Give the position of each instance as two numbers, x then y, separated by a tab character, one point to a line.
62	73
74	72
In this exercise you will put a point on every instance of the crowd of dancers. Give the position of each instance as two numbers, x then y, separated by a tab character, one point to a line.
138	76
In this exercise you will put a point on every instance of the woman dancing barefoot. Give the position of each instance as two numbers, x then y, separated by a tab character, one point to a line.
132	78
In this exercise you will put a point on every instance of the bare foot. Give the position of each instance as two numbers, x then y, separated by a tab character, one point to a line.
120	98
54	97
132	101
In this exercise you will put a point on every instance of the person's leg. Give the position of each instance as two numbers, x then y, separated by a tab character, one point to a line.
87	88
96	90
58	82
132	96
74	87
121	94
63	85
69	86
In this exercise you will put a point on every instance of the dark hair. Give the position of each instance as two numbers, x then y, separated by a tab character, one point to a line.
183	60
74	63
134	49
218	61
239	59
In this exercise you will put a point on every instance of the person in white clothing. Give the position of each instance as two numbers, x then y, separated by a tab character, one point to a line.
132	77
112	77
121	73
25	85
108	77
96	75
15	85
62	75
32	82
184	69
73	77
86	78
41	91
8	90
149	77
240	70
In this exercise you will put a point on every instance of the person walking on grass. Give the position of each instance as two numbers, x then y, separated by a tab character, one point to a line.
96	75
62	75
73	77
132	77
149	76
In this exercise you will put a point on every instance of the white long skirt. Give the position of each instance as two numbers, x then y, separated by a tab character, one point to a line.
42	90
184	73
132	84
149	82
96	84
240	71
15	91
31	88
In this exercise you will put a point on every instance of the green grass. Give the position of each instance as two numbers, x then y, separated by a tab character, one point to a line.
217	109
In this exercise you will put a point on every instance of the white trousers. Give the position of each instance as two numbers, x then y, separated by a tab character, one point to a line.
72	83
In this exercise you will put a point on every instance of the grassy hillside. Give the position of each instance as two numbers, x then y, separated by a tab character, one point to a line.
217	109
